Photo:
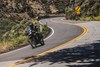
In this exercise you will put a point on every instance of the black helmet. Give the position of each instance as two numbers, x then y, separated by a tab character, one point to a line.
31	25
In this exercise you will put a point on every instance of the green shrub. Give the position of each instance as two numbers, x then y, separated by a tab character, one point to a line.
19	40
5	26
13	35
97	18
89	9
90	18
44	30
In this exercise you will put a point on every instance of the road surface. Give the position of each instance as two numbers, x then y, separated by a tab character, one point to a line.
63	33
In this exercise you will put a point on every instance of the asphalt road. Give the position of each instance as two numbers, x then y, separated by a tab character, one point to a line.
62	33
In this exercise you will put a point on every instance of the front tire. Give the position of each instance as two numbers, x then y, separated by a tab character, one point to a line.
42	42
32	43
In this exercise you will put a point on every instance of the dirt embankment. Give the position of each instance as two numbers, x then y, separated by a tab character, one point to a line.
29	8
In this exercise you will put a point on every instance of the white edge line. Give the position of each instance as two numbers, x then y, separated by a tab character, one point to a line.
50	34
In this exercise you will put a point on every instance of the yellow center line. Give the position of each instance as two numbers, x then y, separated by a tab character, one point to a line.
85	31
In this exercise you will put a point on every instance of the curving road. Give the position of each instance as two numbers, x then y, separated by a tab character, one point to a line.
62	34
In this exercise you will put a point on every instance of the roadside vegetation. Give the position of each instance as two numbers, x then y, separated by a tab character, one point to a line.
89	10
97	18
12	34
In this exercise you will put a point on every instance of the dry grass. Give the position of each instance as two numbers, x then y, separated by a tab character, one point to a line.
97	18
3	47
8	46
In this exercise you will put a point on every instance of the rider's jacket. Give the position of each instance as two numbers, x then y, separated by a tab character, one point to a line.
29	31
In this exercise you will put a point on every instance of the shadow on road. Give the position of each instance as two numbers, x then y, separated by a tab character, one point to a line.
87	53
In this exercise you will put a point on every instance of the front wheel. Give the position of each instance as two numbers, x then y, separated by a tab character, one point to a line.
32	43
42	42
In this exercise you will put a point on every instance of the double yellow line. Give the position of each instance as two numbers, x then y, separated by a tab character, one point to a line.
85	31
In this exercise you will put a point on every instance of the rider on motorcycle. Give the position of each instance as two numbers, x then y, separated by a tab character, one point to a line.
31	29
32	32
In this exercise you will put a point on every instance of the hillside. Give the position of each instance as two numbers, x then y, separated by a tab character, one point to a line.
29	8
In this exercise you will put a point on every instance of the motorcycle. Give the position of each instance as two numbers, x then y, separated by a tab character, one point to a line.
36	38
